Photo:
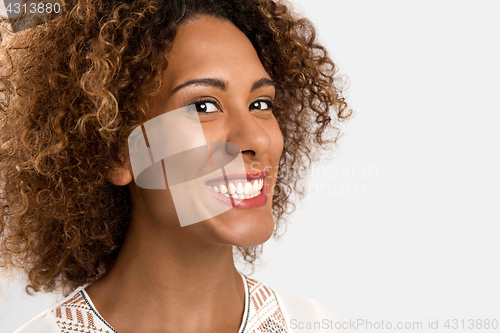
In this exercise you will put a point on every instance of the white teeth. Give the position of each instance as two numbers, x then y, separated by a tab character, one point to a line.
255	186
239	188
231	189
248	188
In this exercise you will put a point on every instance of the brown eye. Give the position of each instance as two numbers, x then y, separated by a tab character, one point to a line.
206	107
262	105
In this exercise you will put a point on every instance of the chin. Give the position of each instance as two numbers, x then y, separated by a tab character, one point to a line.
242	228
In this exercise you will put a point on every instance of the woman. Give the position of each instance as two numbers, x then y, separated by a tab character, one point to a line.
76	214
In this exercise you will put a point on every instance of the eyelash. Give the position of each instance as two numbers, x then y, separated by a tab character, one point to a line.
270	103
206	100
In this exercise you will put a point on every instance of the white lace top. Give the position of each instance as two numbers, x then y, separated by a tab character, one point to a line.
266	310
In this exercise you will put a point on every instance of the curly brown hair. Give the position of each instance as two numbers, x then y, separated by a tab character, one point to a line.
72	94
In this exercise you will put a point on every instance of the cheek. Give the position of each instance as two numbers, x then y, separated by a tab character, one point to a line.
274	153
155	205
276	141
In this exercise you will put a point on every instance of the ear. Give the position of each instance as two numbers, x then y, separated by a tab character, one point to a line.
121	175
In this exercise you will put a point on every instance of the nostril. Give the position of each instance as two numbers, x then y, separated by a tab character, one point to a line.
248	152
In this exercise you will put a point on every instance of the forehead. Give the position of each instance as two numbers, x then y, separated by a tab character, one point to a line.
214	47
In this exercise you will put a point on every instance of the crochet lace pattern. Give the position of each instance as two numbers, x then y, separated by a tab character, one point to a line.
263	313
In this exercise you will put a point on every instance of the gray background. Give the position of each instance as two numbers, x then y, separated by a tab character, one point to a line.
402	226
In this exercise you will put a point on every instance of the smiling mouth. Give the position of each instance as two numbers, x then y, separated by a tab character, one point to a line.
239	189
249	188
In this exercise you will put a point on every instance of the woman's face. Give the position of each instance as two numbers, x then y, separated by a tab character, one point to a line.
214	66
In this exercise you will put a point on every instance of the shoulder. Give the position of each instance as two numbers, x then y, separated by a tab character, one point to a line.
46	322
302	314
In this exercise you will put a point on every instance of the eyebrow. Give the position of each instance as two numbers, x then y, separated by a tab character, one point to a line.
217	83
264	82
220	84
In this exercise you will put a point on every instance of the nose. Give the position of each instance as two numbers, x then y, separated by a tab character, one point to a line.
246	131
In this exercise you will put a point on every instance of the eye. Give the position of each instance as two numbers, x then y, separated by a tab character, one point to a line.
262	105
206	106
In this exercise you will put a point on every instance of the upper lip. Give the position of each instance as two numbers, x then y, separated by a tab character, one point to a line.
242	175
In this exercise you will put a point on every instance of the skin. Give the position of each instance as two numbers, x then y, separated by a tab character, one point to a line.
169	278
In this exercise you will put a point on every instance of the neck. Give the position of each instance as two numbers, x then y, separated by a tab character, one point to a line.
163	276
